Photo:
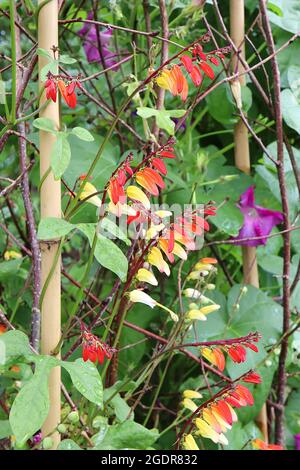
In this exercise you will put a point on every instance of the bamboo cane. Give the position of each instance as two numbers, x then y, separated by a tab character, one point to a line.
242	161
50	207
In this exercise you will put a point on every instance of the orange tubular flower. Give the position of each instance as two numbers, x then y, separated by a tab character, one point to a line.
174	81
258	444
147	183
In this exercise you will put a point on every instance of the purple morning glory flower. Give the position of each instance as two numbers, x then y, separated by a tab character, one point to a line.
90	44
258	221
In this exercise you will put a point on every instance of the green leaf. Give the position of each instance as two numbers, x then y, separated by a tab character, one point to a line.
107	253
66	59
10	268
50	67
82	157
290	17
275	9
162	117
120	408
5	429
164	121
43	53
109	226
82	134
52	228
68	444
127	435
31	406
14	343
145	112
292	412
221	106
45	124
86	379
291	110
60	155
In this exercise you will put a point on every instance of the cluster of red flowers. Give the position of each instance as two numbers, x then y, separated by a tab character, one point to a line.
173	79
66	87
236	351
92	348
118	181
213	420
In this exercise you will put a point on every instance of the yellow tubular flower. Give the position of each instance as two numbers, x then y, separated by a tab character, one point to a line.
194	275
162	214
200	266
179	251
191	394
209	309
205	430
209	355
189	443
143	275
119	209
154	230
11	254
135	193
155	258
88	190
196	315
189	404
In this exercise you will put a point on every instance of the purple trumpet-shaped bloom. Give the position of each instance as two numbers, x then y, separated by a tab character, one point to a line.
258	221
90	44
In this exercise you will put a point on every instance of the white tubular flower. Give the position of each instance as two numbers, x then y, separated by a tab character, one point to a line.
191	293
138	296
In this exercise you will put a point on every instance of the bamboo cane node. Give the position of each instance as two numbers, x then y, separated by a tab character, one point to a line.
45	245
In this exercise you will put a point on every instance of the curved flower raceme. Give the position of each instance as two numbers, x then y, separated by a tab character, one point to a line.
237	351
92	348
213	419
197	66
66	86
258	221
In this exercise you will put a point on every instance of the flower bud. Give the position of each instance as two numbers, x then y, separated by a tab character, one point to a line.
73	417
191	394
47	443
62	428
210	286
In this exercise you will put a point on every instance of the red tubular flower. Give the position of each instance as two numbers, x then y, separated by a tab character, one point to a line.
245	394
159	165
253	378
93	349
214	60
167	153
187	62
237	353
251	346
147	183
207	69
116	191
51	90
196	76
